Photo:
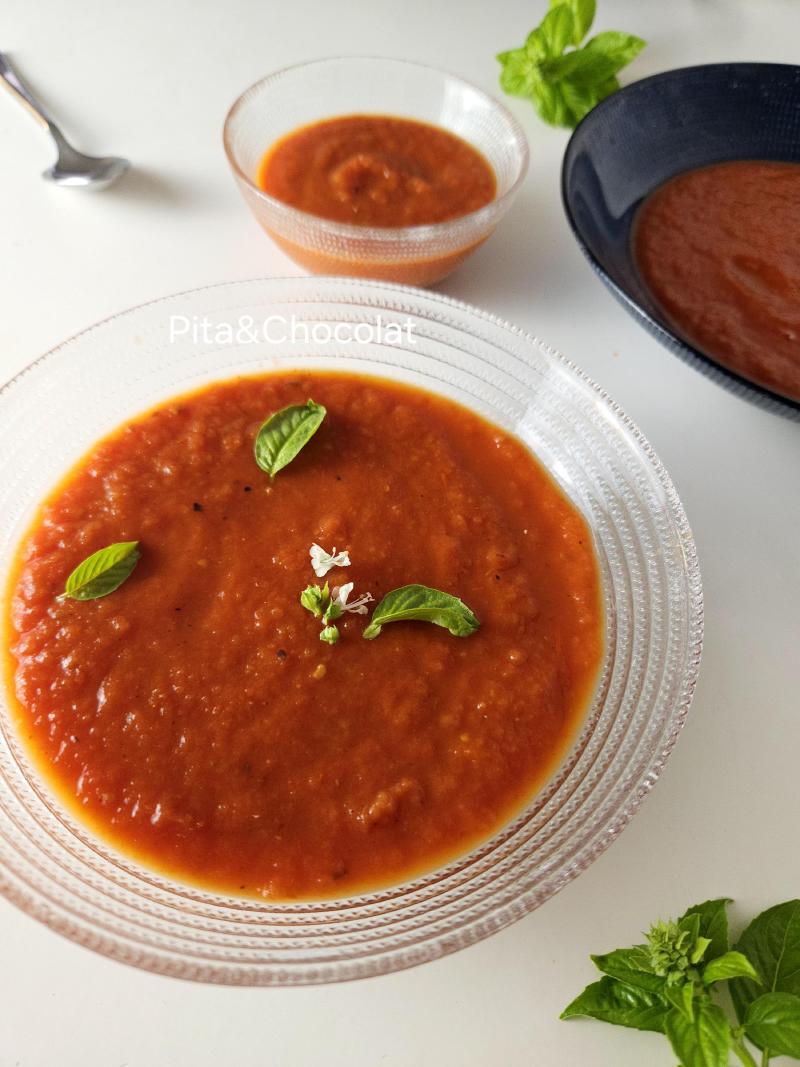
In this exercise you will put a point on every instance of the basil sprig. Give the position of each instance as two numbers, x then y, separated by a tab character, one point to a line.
565	85
668	984
420	602
284	433
102	572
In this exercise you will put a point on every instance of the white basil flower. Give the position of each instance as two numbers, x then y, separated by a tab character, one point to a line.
322	561
339	597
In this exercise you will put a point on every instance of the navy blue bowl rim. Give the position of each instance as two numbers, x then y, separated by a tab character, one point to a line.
734	383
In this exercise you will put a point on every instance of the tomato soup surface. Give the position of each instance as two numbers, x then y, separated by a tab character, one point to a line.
375	170
719	248
194	719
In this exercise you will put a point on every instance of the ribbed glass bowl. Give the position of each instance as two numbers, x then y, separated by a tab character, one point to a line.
358	85
56	870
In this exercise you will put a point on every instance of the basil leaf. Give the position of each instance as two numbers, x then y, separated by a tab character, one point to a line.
564	85
614	1002
702	1041
283	435
583	12
631	966
579	100
549	101
681	997
583	69
419	602
617	49
690	922
554	32
773	1022
519	74
713	924
102	572
772	944
730	965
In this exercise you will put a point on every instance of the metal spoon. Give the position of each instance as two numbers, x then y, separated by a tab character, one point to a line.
71	167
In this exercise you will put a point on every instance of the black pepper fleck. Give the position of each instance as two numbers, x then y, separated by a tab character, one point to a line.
197	507
281	653
248	489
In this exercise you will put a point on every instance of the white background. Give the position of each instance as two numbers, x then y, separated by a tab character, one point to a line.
153	81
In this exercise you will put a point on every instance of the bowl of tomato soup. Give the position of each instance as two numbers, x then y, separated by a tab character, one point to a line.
392	641
400	184
682	189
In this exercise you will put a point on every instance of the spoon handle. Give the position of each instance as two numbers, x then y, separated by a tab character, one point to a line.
12	81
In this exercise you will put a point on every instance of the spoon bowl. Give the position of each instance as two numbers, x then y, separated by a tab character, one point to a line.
72	168
78	170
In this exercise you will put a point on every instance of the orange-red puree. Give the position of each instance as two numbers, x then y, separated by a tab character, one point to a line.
193	717
375	170
718	248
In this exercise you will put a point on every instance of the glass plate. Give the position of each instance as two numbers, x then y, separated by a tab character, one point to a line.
50	414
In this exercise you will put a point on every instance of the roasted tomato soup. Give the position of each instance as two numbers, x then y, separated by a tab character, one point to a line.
194	719
719	248
374	170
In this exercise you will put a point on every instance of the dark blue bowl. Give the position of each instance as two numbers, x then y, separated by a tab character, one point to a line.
647	133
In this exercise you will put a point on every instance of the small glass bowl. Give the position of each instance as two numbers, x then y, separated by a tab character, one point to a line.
298	96
57	870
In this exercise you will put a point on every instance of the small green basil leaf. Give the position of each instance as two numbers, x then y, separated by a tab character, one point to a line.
731	965
772	944
690	922
773	1022
618	49
681	997
564	86
102	572
699	950
579	100
551	104
704	1040
713	924
554	32
283	435
583	12
536	46
631	966
614	1002
591	66
519	72
419	602
583	69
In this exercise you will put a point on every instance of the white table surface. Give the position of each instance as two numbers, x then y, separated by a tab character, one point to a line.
153	80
